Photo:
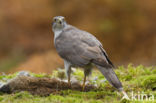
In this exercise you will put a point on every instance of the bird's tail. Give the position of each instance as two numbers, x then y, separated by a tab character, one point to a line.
111	77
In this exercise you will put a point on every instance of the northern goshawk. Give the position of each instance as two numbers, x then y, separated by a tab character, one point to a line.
79	48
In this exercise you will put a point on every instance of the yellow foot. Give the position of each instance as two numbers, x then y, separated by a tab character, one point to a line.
83	87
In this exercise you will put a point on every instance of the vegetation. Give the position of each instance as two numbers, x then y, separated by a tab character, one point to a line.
138	80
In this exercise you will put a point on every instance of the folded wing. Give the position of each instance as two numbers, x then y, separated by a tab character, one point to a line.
81	48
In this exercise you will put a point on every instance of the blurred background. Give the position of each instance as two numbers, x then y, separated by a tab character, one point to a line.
126	28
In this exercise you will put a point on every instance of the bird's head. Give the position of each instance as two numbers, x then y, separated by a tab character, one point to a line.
58	23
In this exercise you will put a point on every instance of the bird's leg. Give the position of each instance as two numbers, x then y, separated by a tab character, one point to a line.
69	83
68	71
84	81
87	71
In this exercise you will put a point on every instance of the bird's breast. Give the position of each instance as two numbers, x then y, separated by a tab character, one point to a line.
57	34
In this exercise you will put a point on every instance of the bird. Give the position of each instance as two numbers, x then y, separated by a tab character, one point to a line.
79	48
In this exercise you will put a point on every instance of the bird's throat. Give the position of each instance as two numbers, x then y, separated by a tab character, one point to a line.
57	33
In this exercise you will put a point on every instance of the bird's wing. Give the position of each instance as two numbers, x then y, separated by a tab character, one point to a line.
81	48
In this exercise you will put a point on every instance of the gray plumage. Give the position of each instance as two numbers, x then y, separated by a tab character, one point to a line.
79	48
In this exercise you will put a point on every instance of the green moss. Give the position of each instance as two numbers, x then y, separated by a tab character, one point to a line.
40	75
149	82
6	77
133	78
22	95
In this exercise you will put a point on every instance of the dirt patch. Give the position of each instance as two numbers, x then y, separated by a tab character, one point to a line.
40	86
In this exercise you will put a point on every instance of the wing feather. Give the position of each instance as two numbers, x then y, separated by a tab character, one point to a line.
81	48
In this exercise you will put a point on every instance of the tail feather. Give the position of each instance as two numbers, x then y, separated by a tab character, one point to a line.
111	77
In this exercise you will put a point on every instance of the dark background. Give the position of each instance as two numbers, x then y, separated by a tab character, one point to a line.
126	28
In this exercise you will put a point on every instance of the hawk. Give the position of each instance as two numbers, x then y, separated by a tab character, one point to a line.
79	48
